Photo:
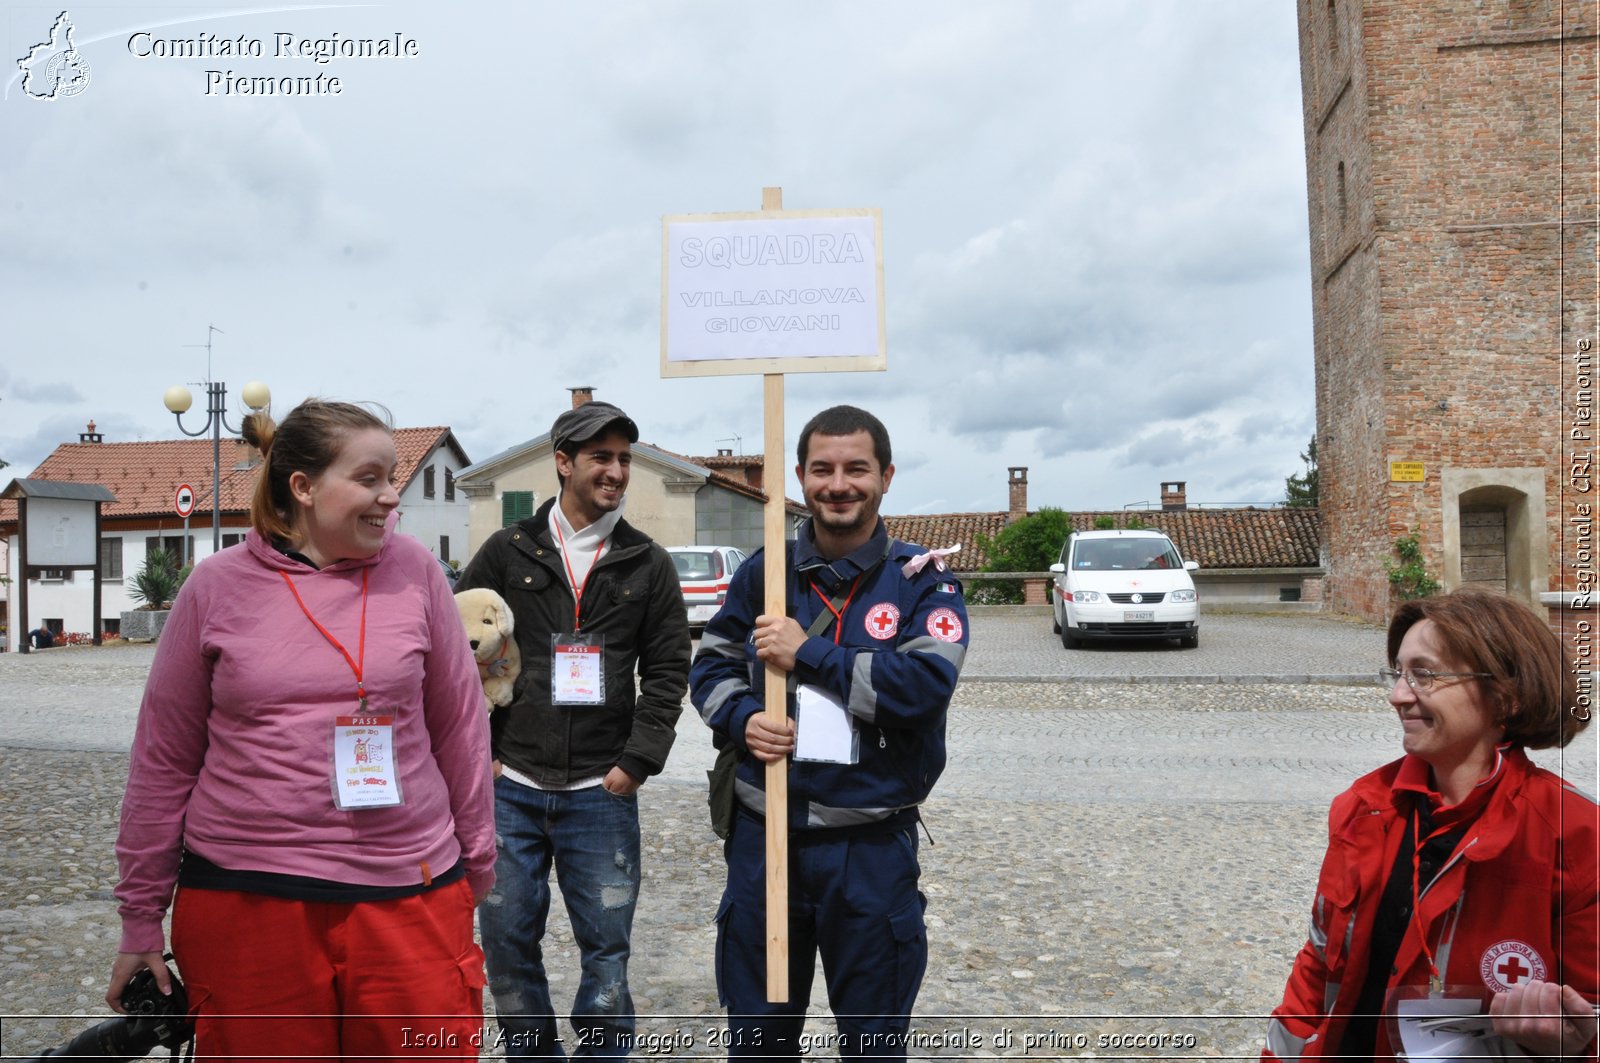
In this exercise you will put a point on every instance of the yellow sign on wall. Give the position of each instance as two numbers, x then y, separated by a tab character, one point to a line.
1406	472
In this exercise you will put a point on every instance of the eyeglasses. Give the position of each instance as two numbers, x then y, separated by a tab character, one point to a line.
1422	680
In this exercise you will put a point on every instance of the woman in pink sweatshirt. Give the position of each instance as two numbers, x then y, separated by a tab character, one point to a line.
311	772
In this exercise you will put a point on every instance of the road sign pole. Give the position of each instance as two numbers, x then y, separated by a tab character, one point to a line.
183	502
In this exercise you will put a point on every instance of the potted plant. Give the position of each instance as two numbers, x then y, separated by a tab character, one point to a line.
153	587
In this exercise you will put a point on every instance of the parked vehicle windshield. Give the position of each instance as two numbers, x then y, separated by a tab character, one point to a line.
1105	555
698	564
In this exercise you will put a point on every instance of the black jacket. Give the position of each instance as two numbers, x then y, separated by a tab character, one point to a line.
633	600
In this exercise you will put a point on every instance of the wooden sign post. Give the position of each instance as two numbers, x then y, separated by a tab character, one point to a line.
773	292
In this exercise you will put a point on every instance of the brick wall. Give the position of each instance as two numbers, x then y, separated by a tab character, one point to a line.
1443	224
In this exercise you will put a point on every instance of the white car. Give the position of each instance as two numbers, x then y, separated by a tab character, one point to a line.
705	572
1124	584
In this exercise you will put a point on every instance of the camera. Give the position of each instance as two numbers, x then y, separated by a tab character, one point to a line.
153	1018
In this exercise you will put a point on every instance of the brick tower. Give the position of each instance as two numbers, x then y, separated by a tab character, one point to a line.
1450	169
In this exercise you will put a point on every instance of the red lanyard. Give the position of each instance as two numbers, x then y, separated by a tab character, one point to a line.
1435	982
838	614
577	599
360	662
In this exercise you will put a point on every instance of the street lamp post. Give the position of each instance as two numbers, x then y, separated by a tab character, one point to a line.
178	400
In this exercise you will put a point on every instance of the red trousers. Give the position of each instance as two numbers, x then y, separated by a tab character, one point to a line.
270	978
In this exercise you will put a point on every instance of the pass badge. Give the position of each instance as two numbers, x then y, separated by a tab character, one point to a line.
365	774
577	670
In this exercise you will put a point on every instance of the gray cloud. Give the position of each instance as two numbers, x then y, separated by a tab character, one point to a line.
1094	218
55	392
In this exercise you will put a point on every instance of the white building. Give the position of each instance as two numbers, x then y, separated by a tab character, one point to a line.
145	478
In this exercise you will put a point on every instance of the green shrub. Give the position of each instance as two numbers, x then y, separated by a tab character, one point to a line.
157	581
1029	544
1410	578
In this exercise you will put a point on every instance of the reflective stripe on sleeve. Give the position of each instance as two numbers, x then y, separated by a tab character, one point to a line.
711	642
1282	1043
863	703
719	696
1319	936
953	652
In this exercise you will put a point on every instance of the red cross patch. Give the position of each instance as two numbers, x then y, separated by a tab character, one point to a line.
1508	964
883	621
945	625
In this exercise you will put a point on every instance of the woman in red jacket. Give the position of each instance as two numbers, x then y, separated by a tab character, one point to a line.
1460	871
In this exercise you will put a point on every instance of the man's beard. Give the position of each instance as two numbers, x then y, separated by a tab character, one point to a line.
843	522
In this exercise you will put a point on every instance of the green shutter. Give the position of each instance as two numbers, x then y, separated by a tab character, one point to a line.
515	506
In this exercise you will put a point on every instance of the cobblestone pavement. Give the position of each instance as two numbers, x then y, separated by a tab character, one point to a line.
1118	868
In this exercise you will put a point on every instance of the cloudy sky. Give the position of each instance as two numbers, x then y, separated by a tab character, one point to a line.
1094	225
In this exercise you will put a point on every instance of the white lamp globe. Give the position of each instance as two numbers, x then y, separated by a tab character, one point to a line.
178	399
256	395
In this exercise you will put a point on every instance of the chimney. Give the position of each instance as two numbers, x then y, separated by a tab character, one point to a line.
581	396
724	452
91	436
1018	484
1175	495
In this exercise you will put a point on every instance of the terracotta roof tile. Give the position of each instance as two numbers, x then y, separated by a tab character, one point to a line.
718	462
1217	538
938	530
1230	538
727	461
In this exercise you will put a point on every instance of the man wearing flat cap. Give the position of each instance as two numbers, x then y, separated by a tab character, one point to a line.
594	601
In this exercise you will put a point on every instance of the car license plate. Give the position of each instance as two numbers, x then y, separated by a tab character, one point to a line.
1133	615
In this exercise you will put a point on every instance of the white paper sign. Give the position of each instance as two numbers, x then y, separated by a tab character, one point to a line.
791	285
822	729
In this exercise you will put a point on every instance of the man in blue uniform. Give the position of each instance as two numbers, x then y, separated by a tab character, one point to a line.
873	642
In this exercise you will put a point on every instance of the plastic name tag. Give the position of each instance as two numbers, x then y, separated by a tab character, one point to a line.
577	670
365	774
823	729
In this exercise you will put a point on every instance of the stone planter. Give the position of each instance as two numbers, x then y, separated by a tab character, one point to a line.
144	625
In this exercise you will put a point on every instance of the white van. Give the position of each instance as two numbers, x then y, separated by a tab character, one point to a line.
1124	584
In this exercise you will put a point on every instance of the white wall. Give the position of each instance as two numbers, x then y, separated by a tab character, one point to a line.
428	518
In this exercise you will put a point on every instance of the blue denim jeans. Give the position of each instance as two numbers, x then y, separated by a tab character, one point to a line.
591	838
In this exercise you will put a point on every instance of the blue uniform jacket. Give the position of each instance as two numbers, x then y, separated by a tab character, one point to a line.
900	647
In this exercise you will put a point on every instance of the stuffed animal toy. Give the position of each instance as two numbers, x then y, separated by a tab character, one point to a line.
487	620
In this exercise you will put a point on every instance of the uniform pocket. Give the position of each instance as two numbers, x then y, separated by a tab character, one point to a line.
910	933
1335	916
628	590
526	577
